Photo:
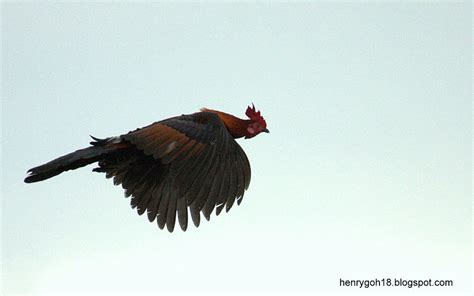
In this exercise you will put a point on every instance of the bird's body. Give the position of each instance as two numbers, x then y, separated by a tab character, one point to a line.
189	161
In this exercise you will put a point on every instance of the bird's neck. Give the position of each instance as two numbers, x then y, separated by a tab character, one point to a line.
237	127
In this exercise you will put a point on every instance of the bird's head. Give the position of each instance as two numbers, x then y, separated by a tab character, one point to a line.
256	124
238	127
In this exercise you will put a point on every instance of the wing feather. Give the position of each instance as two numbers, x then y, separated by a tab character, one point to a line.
137	180
218	181
163	206
182	207
195	215
238	179
205	187
171	213
196	178
152	210
227	185
189	161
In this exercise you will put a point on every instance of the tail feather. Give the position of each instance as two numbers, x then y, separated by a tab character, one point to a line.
67	162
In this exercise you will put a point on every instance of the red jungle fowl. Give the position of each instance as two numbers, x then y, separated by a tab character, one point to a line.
185	161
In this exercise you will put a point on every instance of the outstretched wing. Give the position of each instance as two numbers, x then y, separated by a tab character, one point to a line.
185	161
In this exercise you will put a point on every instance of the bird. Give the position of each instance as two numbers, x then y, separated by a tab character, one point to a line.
189	163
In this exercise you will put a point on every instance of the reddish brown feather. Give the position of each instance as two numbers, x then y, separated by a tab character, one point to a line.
237	127
157	138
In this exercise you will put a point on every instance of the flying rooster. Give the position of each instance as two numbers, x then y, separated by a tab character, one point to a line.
189	161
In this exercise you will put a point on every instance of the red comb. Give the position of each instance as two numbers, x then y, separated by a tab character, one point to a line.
255	115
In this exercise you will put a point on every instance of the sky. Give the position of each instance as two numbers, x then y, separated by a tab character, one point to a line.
366	172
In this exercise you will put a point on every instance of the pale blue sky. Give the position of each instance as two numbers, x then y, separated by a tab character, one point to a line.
366	172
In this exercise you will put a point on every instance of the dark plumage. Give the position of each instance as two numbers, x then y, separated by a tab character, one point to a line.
189	161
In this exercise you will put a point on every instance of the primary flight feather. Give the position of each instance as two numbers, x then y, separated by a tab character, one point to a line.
188	161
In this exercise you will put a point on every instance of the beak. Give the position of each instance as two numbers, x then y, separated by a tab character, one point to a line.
266	131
